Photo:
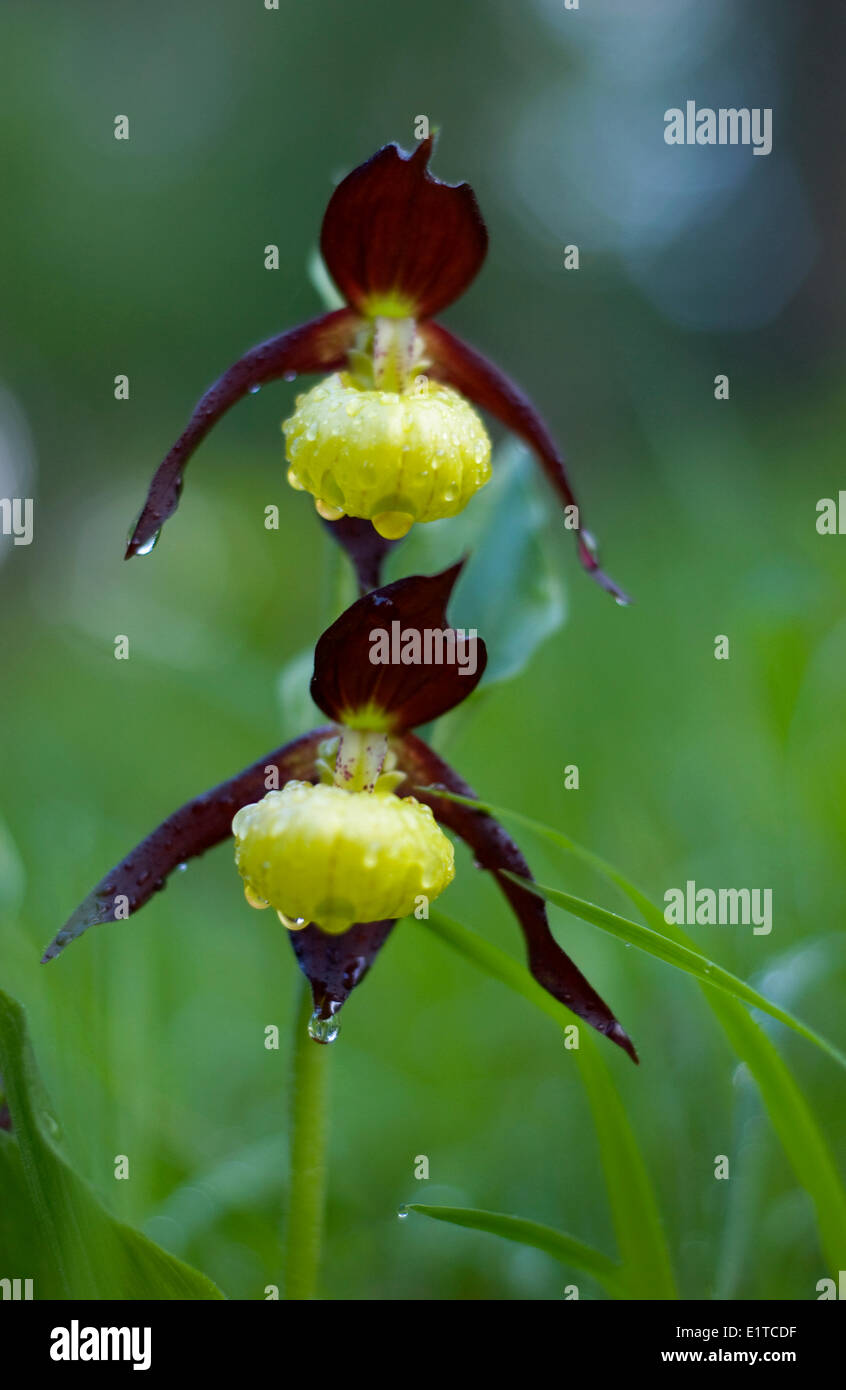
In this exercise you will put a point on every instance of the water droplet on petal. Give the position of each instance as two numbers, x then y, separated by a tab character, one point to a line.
392	526
323	1030
289	376
253	898
149	544
254	390
292	923
328	513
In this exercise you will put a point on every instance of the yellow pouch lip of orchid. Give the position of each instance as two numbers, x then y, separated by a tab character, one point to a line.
390	457
333	857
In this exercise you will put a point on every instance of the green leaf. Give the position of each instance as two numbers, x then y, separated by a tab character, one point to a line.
511	555
789	1112
505	532
568	1251
328	292
52	1227
297	710
646	1264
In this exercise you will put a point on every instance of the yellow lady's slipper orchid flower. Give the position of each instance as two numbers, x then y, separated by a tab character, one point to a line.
390	457
378	444
334	857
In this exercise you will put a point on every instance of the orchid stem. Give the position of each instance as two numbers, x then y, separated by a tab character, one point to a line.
308	1136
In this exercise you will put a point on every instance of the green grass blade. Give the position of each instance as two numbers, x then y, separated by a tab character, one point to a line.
568	1251
637	1221
790	1115
647	1271
670	946
794	1123
674	953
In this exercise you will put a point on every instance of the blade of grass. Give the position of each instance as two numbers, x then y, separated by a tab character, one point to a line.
671	952
670	946
645	1259
790	1115
568	1251
637	1221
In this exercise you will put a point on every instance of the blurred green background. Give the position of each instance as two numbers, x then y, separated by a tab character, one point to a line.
146	258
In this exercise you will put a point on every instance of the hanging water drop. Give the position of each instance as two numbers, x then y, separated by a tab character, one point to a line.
402	1214
323	1030
149	544
329	513
292	923
52	1124
254	390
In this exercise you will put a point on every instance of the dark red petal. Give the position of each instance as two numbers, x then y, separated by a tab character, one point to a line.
479	380
190	831
364	546
346	682
392	229
318	346
335	964
494	849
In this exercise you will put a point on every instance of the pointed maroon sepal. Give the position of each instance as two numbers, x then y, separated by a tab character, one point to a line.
189	832
318	346
459	365
334	964
493	849
392	661
397	240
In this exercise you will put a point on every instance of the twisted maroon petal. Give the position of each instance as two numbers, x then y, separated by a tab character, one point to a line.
348	682
494	849
479	380
335	964
190	831
393	230
318	346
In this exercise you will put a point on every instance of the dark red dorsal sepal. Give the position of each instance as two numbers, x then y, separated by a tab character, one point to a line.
392	662
397	240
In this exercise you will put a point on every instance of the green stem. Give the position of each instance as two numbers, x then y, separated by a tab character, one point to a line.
309	1128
